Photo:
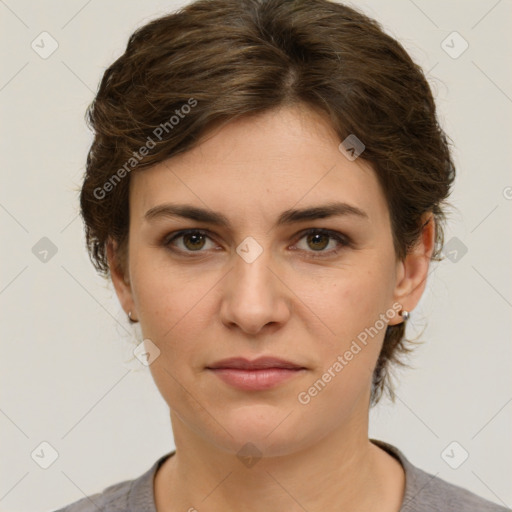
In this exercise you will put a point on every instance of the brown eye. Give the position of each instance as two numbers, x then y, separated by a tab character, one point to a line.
189	241
193	241
318	241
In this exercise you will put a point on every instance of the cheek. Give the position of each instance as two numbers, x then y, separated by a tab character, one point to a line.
176	312
350	337
347	352
344	305
165	296
176	322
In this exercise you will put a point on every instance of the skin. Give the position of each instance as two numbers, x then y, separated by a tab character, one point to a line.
199	309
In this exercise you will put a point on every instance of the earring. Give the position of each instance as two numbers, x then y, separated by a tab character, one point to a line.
405	315
132	320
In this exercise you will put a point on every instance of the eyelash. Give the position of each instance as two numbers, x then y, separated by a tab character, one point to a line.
343	241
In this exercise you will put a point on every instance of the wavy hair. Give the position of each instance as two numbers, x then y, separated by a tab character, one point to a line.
213	61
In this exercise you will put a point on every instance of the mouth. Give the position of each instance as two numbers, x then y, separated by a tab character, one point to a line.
257	375
262	363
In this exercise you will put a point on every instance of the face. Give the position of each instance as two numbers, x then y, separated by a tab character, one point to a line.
264	272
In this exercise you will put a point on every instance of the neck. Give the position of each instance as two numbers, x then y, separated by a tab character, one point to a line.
338	473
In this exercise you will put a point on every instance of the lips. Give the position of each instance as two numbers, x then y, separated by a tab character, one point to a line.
257	375
262	363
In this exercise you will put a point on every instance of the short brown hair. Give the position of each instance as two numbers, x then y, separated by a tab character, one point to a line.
216	60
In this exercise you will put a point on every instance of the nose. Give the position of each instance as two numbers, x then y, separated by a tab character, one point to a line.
255	297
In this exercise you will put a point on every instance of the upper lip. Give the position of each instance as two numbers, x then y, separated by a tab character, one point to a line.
240	363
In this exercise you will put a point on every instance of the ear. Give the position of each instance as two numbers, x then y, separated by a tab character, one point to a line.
412	272
120	280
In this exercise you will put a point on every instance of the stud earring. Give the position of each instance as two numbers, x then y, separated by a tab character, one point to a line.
405	315
132	320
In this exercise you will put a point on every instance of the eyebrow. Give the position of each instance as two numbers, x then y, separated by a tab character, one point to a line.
334	209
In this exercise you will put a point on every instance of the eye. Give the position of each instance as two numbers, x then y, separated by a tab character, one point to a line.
192	240
318	239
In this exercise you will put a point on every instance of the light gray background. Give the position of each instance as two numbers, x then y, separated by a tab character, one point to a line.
67	372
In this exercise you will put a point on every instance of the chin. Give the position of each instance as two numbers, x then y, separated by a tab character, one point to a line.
270	431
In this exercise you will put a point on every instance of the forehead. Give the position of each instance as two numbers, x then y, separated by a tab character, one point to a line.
255	167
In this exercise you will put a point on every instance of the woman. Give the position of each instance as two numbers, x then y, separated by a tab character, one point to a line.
266	190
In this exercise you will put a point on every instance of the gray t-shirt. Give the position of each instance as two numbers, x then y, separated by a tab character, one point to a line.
423	493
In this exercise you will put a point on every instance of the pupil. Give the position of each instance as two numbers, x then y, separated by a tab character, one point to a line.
311	237
194	244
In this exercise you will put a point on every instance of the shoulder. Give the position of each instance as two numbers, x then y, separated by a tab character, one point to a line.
113	498
134	495
433	493
425	492
441	495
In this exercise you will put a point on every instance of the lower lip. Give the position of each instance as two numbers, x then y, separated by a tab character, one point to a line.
255	380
